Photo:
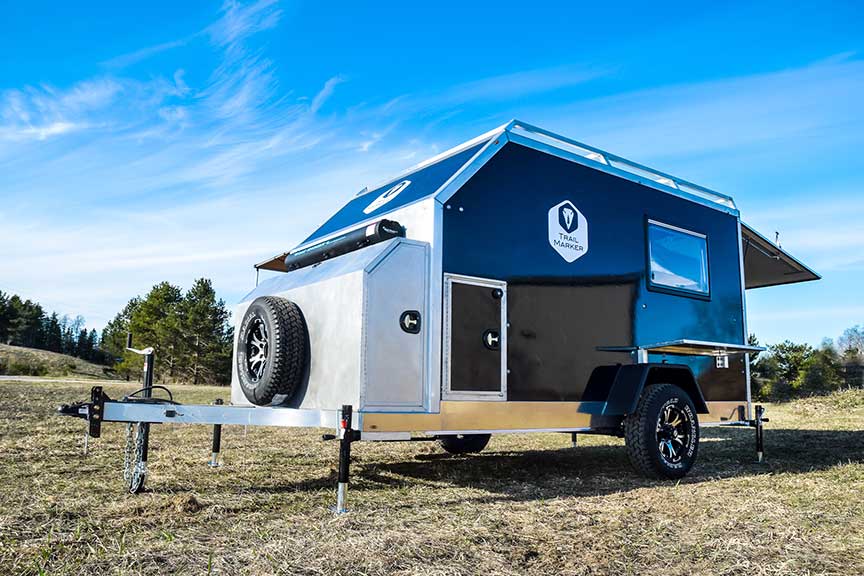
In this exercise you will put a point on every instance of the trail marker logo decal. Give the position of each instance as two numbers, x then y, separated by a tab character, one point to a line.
567	218
386	196
568	231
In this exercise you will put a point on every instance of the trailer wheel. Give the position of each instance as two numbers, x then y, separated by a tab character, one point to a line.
662	435
464	443
271	349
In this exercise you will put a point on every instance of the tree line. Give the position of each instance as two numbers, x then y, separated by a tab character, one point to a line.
26	323
191	333
193	337
789	370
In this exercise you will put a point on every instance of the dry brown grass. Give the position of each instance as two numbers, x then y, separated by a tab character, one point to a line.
528	505
18	360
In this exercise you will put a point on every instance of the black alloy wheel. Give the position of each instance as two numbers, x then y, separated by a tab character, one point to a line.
662	435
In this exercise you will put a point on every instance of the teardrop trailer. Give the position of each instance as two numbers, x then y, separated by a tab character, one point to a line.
520	282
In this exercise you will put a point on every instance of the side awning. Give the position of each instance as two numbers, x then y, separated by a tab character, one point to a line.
766	264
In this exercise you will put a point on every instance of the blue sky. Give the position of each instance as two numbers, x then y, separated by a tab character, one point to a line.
173	140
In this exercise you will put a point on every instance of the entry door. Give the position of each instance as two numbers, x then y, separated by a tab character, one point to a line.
475	345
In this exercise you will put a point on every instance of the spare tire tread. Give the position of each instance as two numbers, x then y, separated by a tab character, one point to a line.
287	367
288	339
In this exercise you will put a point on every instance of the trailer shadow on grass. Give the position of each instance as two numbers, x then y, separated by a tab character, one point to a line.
588	470
595	470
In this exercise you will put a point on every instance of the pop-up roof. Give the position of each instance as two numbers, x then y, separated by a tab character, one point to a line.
765	264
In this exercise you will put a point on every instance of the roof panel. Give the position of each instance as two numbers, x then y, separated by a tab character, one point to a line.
545	141
765	263
409	188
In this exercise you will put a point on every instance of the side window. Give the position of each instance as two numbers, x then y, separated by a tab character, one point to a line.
677	260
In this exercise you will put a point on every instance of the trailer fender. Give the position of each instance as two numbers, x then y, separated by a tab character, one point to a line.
630	380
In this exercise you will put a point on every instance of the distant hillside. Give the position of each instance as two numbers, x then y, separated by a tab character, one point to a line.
21	361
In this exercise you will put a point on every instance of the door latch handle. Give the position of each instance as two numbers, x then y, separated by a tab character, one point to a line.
410	321
492	339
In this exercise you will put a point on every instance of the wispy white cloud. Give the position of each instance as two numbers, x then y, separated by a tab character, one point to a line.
240	21
325	93
214	133
726	114
498	90
39	132
520	84
44	111
212	171
93	264
136	56
185	162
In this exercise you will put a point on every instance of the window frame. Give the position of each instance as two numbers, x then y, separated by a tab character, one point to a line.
663	288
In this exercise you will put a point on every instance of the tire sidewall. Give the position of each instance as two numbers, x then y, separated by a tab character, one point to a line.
677	398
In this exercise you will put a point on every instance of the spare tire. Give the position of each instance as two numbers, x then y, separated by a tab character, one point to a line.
271	349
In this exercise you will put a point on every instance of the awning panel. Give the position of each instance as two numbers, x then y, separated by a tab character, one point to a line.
766	264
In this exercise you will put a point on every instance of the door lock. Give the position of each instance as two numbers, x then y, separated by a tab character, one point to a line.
492	339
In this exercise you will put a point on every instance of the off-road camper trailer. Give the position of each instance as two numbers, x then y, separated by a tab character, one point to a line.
519	282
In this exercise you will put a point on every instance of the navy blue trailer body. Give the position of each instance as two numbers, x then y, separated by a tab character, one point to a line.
561	312
519	282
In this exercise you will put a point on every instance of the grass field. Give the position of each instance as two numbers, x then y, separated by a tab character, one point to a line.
18	360
529	504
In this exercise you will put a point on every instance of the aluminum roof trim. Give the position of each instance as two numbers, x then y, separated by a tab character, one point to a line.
574	151
722	199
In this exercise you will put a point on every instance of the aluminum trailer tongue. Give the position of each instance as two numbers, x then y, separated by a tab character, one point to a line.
520	282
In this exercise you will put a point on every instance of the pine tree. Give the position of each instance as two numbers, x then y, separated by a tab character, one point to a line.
53	333
82	346
206	325
191	333
6	315
155	323
27	326
25	323
93	347
113	341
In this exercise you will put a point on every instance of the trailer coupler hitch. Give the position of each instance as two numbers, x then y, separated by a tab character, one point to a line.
93	411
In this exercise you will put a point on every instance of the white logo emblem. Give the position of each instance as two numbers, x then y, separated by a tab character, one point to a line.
386	197
568	231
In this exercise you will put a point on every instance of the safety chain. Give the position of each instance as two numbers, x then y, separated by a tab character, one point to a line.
127	457
133	466
140	466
